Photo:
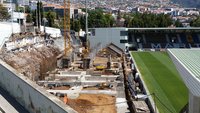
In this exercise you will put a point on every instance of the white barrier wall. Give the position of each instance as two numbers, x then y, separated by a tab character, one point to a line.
28	94
190	81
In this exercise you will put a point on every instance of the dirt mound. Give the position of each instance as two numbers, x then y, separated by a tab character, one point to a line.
91	103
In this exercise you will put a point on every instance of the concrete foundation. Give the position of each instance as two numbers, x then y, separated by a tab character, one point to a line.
28	94
194	103
86	63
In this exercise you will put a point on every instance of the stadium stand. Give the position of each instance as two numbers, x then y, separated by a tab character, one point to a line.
163	38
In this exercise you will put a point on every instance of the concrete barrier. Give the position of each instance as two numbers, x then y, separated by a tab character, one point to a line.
28	94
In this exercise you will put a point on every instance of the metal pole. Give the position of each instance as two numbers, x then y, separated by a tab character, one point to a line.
65	29
11	15
24	16
86	22
39	15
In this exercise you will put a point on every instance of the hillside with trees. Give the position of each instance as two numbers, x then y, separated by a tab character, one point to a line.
149	20
188	3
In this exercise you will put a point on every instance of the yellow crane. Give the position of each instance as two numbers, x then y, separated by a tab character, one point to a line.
67	27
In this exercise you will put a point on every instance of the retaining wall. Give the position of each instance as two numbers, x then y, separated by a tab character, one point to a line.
28	94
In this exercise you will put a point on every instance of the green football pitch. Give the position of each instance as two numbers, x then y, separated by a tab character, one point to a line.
161	77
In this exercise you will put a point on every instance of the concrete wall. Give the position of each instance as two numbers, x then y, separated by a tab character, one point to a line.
105	36
6	30
28	94
194	103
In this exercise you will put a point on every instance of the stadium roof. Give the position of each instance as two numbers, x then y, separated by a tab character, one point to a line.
187	62
167	28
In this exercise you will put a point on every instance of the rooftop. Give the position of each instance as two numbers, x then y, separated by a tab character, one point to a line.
187	62
190	58
165	29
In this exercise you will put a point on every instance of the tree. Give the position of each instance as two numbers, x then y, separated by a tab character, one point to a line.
82	22
109	20
149	20
77	25
178	23
37	15
40	13
29	18
4	15
72	26
195	22
33	13
51	16
27	9
96	18
127	21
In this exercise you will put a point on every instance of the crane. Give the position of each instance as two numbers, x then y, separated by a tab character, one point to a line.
67	27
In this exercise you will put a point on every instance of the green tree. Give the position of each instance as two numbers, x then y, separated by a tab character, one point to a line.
21	8
82	22
40	12
195	22
27	9
51	16
149	20
178	23
29	18
77	25
97	18
37	14
127	21
33	13
72	26
4	15
109	20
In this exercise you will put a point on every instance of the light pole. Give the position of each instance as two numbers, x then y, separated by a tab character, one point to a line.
39	14
86	22
24	16
44	22
11	15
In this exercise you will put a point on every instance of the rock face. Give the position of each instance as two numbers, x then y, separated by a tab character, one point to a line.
33	62
188	3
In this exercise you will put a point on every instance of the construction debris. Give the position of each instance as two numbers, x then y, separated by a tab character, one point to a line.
89	103
33	62
91	84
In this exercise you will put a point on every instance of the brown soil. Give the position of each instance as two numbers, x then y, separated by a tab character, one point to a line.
90	103
100	60
96	88
61	88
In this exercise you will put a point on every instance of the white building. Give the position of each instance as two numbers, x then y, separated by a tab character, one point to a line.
19	17
6	30
104	36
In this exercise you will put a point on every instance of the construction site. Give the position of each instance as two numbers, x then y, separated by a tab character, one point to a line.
88	81
86	84
83	79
